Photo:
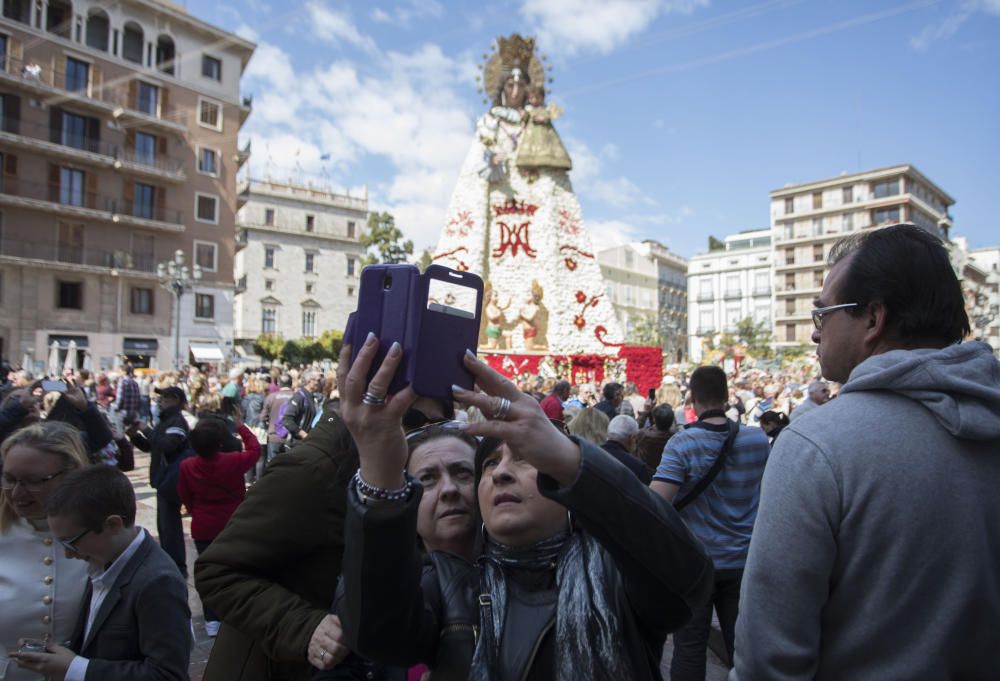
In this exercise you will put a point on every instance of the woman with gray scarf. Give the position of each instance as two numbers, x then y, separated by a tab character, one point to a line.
583	570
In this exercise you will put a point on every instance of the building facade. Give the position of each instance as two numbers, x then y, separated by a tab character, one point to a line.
118	148
982	293
728	285
807	219
298	260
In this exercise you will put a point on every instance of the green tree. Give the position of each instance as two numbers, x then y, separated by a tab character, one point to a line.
715	245
645	330
332	340
426	258
386	239
268	346
756	337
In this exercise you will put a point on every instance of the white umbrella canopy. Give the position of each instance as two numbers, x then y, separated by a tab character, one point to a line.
28	362
70	363
88	362
54	359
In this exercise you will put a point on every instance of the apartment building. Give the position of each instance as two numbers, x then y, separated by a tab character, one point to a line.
807	219
983	295
298	260
728	285
118	147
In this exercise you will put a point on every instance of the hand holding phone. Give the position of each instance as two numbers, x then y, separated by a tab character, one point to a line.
53	386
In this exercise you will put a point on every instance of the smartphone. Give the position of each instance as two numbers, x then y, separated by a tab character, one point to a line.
53	386
652	394
32	645
434	316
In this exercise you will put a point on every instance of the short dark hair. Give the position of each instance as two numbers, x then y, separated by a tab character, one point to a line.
663	417
774	417
908	270
93	493
708	385
285	381
612	389
561	387
208	436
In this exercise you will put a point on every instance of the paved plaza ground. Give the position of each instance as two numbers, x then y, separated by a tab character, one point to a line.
146	517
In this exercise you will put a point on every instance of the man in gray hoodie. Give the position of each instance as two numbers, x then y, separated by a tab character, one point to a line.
876	552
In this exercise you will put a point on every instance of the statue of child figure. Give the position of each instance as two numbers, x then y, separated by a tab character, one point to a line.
540	145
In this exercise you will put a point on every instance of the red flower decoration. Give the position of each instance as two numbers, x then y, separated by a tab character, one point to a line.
580	322
570	264
593	302
581	297
600	332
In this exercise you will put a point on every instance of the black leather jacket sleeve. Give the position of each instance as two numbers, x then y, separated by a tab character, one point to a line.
390	607
665	569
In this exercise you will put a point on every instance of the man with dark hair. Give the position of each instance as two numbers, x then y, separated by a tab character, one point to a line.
721	514
135	624
613	393
882	519
302	408
654	437
552	405
271	416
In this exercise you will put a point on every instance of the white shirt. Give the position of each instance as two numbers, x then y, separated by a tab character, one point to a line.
101	583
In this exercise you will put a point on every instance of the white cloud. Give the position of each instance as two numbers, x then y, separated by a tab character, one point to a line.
605	234
406	12
590	182
333	26
571	26
247	33
950	25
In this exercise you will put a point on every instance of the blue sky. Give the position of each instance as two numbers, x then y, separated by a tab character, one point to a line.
680	115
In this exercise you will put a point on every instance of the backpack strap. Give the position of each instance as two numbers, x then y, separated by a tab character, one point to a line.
720	461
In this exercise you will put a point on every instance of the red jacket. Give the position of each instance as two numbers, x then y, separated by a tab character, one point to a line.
552	406
212	487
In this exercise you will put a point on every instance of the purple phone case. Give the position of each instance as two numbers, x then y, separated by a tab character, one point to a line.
386	313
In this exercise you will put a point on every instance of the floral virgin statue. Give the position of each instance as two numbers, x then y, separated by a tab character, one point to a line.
515	220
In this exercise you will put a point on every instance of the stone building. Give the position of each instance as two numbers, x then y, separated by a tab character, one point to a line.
298	260
728	285
118	148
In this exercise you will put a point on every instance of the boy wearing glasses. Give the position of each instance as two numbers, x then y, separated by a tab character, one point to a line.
135	621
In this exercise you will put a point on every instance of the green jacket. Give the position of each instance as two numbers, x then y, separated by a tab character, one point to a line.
272	573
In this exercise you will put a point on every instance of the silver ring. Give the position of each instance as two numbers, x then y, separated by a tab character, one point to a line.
372	400
502	409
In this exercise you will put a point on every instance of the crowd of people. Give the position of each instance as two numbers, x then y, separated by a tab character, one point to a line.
839	520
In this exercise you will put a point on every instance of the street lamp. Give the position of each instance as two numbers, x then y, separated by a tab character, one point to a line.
175	277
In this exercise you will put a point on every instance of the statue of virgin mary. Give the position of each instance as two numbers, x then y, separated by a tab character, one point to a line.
515	221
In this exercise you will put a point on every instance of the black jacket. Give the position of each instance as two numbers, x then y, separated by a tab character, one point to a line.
396	613
299	414
631	462
166	443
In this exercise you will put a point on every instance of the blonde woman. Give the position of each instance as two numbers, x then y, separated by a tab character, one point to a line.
41	590
590	424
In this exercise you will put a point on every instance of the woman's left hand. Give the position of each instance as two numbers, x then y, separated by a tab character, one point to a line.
74	395
524	427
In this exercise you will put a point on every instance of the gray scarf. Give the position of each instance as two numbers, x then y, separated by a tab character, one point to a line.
589	632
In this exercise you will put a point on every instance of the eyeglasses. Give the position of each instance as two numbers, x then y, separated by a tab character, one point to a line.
70	544
818	313
8	483
442	425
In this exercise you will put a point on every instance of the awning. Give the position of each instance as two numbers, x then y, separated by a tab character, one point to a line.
63	341
206	352
141	346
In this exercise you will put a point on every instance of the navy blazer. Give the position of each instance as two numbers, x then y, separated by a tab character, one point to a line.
143	627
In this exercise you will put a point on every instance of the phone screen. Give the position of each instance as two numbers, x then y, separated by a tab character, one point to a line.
450	298
53	386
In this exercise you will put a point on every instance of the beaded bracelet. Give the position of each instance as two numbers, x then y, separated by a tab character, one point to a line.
368	491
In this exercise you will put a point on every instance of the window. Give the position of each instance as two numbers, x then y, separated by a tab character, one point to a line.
817	200
789	282
132	42
141	301
211	67
789	256
705	289
71	187
351	264
70	242
818	253
848	195
705	322
790	306
3	51
351	229
269	257
350	291
788	230
76	131
269	217
309	323
69	295
143	252
208	161
789	206
310	223
733	285
77	75
269	284
309	288
310	262
205	255
790	333
847	222
204	306
818	279
886	188
761	282
883	215
210	114
145	148
144	200
268	320
206	208
148	98
817	227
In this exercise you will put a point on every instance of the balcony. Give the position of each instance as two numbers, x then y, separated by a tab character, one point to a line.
704	331
31	77
241	285
242	194
246	108
242	155
241	239
63	144
733	294
706	297
759	291
77	258
66	202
